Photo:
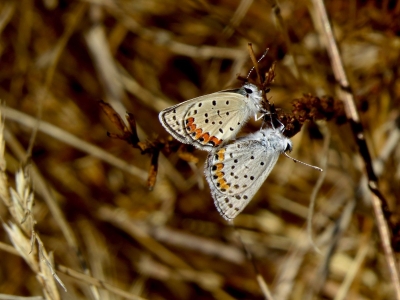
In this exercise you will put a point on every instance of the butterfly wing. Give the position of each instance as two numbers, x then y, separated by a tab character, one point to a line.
207	121
236	172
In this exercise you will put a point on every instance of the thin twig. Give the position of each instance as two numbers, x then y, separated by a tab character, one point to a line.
317	187
255	62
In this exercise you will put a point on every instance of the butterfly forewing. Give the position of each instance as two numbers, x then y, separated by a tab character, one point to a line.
202	121
209	121
236	172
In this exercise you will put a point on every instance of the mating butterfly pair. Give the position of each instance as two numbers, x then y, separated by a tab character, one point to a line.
234	171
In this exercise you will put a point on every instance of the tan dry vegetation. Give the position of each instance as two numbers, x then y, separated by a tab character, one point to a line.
107	235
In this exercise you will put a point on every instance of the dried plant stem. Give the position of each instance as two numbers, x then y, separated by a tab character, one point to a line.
8	248
96	41
317	187
169	236
12	297
96	282
378	201
42	189
264	288
55	55
75	18
255	62
79	276
237	17
45	192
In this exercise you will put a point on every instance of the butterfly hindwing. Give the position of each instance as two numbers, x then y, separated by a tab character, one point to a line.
236	172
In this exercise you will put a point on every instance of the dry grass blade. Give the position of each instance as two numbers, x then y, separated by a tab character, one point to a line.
237	17
73	141
317	187
97	43
4	187
45	275
47	271
206	246
22	200
379	203
94	281
73	274
111	237
9	297
20	205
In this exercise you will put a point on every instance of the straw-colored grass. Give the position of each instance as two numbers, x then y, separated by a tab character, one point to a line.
76	209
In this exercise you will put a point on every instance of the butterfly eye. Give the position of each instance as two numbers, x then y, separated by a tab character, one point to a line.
288	148
248	91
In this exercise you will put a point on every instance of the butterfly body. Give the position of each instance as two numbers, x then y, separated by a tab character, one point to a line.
209	121
236	171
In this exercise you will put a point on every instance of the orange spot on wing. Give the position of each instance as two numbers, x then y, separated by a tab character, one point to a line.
216	141
221	154
199	132
220	175
190	126
189	121
206	138
219	166
223	184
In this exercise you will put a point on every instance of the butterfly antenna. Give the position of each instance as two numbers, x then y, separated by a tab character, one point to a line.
252	69
296	160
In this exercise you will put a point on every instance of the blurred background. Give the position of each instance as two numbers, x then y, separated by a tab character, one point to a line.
92	206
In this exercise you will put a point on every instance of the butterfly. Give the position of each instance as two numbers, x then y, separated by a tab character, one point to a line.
209	121
236	171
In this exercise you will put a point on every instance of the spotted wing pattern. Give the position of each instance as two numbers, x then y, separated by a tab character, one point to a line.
209	121
237	171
